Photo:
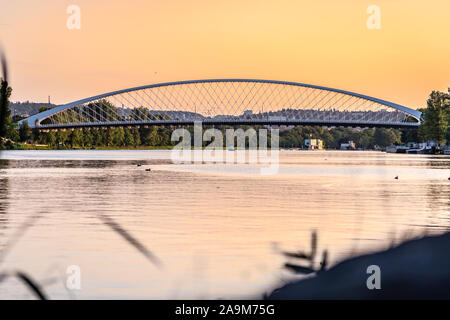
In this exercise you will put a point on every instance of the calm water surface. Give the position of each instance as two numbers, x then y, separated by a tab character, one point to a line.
217	229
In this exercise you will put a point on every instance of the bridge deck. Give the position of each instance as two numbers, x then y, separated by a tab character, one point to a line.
354	124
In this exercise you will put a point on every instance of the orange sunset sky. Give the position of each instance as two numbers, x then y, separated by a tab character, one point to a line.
135	42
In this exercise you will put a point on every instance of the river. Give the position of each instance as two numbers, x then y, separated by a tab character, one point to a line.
217	229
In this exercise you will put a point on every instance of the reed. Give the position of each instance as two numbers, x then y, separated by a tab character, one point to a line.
131	240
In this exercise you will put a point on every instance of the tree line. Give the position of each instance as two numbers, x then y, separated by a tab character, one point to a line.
97	137
160	136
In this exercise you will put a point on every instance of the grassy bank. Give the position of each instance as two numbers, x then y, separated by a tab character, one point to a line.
25	146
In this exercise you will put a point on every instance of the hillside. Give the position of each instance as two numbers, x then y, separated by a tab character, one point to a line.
27	108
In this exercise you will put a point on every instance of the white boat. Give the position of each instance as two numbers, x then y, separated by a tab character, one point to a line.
391	149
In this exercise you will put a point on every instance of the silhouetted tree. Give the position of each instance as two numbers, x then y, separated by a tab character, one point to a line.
24	131
5	114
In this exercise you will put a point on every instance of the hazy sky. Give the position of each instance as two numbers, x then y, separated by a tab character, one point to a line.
135	42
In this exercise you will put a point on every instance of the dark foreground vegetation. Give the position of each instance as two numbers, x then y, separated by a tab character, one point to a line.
416	269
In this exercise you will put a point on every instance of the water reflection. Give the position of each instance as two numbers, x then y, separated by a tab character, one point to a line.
3	199
211	228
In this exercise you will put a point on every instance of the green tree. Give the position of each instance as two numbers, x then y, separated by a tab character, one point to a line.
61	137
107	137
13	133
164	136
97	139
386	137
410	135
5	114
87	138
43	108
366	140
136	136
24	131
129	137
35	133
437	117
48	138
75	138
51	138
151	137
118	135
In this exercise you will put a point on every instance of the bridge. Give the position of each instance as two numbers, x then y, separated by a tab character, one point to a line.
228	102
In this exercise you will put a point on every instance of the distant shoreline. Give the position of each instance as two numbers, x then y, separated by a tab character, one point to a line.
22	146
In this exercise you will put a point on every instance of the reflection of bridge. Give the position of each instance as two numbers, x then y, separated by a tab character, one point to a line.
228	101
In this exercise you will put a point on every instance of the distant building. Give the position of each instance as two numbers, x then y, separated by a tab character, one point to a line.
314	144
248	113
348	146
412	145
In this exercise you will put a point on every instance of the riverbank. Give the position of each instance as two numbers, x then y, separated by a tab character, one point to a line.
416	269
25	146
